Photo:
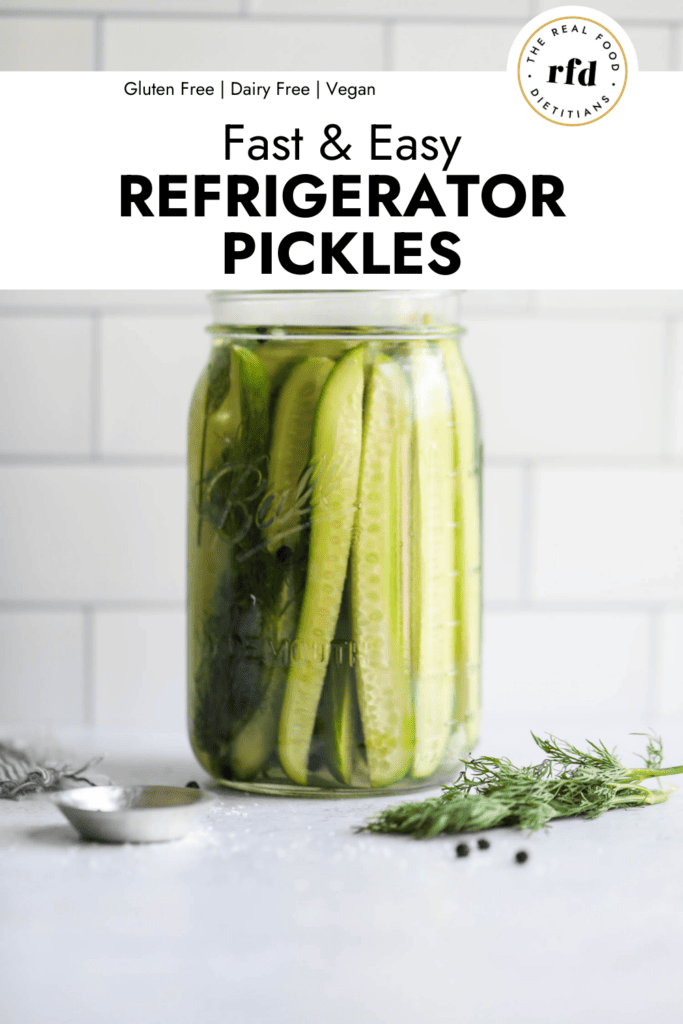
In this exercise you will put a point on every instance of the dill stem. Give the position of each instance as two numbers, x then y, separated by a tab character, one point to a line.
654	773
647	796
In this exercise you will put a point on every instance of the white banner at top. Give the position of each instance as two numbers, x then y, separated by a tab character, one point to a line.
562	172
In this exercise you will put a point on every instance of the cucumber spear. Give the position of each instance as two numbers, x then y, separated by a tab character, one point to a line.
336	450
281	514
384	692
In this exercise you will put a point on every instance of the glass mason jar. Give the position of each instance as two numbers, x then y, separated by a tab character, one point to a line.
334	544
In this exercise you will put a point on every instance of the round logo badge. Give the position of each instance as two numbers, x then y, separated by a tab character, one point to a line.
572	71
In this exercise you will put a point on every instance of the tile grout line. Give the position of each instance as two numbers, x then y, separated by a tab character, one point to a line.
243	13
532	312
528	311
98	43
527	531
674	46
585	462
585	606
668	390
388	46
152	310
46	461
88	665
61	605
96	388
651	692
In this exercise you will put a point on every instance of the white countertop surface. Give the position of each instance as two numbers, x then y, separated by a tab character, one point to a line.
277	910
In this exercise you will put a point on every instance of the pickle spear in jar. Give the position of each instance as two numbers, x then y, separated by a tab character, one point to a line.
226	618
280	514
467	515
433	632
377	575
336	451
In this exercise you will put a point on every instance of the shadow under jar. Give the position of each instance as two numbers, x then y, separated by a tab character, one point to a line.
334	569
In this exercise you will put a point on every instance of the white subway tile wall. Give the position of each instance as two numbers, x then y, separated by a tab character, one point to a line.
676	370
43	668
543	662
138	671
596	387
440	46
146	420
609	303
670	666
45	405
653	10
396	8
184	44
654	46
608	534
98	7
581	395
46	44
92	532
504	512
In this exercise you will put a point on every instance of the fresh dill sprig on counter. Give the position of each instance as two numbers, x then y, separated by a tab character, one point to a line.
492	792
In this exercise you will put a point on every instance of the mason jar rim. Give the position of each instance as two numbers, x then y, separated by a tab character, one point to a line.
423	311
379	292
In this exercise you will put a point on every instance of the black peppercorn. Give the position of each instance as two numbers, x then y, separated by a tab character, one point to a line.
191	785
521	856
483	844
462	850
283	554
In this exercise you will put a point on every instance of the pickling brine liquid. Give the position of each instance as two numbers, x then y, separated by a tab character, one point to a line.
333	546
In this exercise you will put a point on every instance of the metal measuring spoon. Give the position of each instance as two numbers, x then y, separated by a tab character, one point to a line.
133	814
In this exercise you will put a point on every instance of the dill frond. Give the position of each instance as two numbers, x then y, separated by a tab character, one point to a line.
491	792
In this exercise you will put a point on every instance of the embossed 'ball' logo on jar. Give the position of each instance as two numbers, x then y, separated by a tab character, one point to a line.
572	71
